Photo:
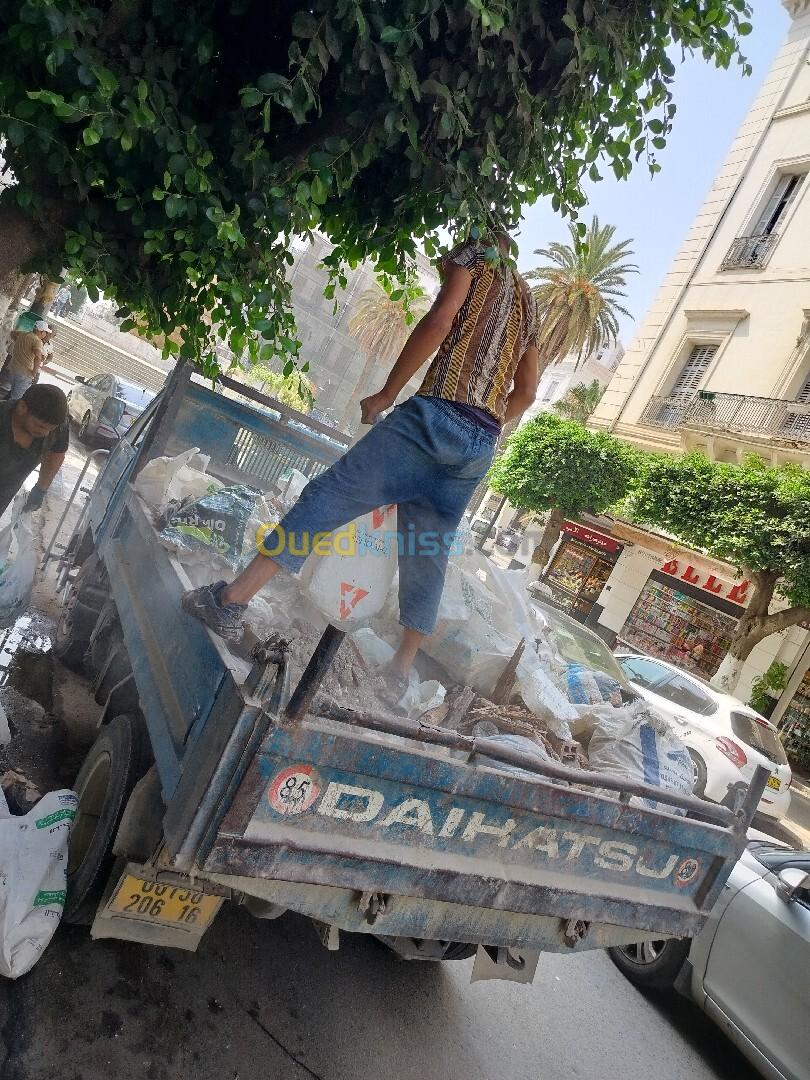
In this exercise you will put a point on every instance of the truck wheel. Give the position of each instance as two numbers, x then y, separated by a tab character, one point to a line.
80	609
459	950
115	763
652	964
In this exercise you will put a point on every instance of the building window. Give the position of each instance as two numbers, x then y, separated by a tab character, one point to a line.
551	390
694	369
797	423
753	249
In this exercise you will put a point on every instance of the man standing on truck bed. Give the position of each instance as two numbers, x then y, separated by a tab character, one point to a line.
427	455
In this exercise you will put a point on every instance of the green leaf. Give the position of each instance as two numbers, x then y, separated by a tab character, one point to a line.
271	82
390	34
91	136
251	96
570	22
319	191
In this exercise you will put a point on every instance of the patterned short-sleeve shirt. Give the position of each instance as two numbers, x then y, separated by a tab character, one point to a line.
497	322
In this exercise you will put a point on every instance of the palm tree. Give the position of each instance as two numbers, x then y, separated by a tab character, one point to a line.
380	325
580	401
578	298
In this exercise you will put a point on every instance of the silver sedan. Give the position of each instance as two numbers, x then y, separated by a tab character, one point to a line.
749	968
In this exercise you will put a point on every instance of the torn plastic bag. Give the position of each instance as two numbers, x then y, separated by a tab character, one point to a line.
215	524
586	686
18	560
166	480
33	878
637	743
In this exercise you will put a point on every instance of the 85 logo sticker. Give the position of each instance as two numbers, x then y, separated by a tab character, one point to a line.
293	790
687	872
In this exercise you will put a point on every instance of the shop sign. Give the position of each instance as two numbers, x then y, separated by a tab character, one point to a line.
588	536
736	594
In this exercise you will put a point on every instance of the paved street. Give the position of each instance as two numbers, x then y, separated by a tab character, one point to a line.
264	1001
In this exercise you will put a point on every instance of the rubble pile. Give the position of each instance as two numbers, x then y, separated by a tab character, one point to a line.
515	673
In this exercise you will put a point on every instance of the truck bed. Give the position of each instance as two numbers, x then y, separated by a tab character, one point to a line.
449	841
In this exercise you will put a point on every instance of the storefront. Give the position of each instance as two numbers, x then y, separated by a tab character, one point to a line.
580	567
682	624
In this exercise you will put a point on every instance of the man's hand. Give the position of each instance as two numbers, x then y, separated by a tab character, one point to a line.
373	406
35	499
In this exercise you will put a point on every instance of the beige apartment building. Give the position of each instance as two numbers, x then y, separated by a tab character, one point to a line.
721	363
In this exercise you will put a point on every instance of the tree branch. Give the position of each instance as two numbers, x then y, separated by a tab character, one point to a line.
23	239
783	620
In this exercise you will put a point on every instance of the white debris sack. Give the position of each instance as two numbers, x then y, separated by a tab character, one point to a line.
165	480
33	878
637	743
350	583
18	561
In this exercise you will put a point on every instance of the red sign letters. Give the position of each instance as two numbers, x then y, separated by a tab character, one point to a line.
737	594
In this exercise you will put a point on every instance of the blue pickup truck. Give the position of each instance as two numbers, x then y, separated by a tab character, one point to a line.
213	780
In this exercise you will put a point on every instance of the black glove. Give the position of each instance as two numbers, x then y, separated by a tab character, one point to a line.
34	500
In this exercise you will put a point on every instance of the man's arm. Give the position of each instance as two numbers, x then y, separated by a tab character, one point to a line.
524	387
51	464
427	336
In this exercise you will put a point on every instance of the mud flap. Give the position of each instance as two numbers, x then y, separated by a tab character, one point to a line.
506	963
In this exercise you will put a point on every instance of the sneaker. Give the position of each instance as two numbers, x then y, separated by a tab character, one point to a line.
206	605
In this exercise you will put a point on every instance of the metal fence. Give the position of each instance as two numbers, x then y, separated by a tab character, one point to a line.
735	413
268	459
749	252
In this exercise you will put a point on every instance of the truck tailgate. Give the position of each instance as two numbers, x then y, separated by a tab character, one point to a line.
397	817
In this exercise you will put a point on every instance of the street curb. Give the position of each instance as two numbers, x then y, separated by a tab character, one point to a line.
800	787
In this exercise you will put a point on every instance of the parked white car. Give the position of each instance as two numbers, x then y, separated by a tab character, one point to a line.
105	406
749	968
725	738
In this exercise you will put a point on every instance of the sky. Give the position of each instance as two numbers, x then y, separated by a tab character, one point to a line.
656	212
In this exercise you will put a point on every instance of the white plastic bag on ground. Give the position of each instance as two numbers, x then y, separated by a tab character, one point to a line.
33	877
172	479
290	488
18	562
349	585
637	743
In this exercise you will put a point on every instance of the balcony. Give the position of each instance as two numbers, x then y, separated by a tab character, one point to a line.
738	414
749	252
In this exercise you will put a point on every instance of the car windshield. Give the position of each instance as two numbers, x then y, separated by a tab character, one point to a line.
672	686
761	737
134	395
577	646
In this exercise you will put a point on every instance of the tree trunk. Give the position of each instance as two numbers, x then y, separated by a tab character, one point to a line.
23	239
46	294
755	625
551	534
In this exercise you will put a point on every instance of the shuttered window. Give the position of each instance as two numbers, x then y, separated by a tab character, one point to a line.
694	369
784	193
803	395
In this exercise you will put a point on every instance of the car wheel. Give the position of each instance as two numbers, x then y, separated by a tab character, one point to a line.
84	429
699	774
652	964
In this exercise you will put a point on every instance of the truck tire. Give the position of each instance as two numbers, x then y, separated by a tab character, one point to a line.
115	763
459	950
81	605
653	965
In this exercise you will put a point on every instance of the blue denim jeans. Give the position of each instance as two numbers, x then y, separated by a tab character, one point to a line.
425	457
19	384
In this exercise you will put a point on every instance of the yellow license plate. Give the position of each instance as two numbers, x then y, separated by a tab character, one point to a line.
774	782
154	901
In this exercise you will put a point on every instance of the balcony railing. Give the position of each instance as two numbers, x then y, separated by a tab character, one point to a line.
748	252
734	413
